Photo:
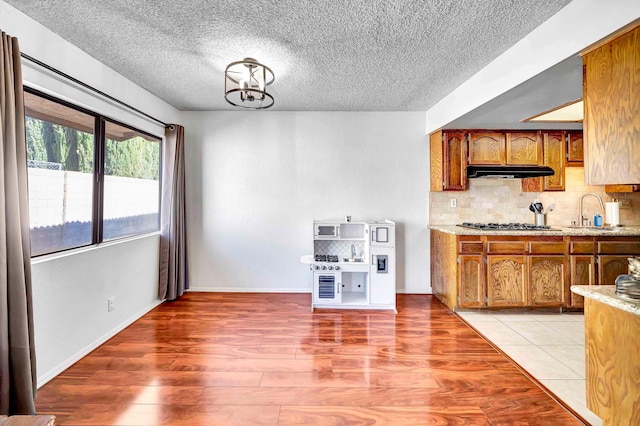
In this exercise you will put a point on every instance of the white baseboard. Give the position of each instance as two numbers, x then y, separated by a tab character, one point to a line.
46	377
415	291
282	290
248	290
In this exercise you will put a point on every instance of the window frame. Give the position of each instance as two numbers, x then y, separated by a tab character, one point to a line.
99	157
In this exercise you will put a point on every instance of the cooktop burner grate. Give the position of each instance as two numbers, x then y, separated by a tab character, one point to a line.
326	258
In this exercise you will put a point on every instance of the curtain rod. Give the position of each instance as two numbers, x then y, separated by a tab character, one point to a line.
93	89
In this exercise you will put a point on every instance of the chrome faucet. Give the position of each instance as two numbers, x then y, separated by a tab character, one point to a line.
353	251
582	218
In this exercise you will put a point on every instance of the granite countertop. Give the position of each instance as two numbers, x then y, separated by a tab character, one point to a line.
623	231
607	294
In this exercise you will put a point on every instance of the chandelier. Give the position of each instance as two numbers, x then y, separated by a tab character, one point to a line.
245	84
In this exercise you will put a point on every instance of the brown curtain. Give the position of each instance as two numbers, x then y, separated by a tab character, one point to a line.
17	350
174	273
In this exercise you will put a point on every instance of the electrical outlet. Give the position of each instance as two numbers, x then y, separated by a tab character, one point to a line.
453	202
625	203
111	303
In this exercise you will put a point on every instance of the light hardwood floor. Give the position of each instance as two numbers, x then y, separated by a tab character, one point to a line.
265	359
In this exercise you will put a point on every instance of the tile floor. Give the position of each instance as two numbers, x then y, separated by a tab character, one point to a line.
550	346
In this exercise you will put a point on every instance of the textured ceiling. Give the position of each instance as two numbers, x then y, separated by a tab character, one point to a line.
352	55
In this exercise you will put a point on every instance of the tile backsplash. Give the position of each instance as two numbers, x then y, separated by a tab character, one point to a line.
502	201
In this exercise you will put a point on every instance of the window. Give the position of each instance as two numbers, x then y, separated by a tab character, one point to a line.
131	182
90	179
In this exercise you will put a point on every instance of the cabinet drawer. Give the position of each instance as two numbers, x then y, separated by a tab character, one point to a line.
471	247
547	247
582	247
619	247
506	247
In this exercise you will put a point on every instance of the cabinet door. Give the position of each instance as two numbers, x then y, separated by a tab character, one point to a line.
610	266
506	280
486	148
582	273
382	277
524	148
547	280
471	280
575	150
611	110
554	157
382	235
622	188
326	288
455	161
436	160
448	160
531	184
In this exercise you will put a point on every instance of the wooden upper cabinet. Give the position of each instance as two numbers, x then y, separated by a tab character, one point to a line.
455	161
524	148
554	146
486	148
553	154
436	159
611	89
575	151
622	188
448	157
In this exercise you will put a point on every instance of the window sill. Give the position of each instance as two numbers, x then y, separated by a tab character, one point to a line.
79	250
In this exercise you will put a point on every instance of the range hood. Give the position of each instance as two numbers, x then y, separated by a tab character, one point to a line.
508	171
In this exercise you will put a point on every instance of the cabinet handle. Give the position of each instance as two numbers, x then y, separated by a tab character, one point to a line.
339	285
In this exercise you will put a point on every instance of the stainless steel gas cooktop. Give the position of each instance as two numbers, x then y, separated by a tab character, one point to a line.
507	226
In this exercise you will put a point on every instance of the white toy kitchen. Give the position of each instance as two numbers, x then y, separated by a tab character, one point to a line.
354	265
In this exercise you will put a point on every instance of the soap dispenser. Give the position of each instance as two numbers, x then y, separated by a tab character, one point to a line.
597	220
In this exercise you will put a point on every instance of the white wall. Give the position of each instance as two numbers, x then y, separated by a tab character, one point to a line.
70	291
256	180
70	294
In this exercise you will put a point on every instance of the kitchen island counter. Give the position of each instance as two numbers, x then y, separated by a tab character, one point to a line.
612	326
624	231
607	294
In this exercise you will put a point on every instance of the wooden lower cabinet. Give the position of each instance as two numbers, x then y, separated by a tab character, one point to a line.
583	272
506	280
547	280
610	266
488	271
471	279
444	267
